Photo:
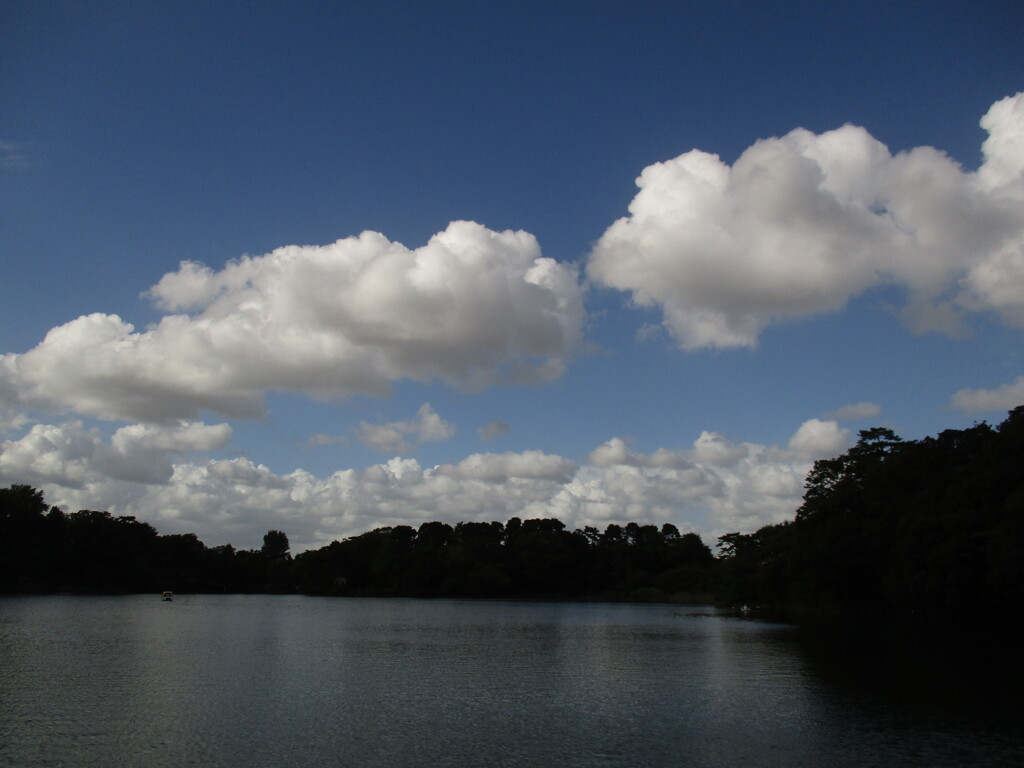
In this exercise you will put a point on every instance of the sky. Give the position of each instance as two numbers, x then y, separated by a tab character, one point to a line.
325	267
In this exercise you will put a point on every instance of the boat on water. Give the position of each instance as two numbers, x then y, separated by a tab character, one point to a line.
168	596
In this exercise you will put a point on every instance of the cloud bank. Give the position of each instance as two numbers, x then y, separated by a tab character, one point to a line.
712	487
472	308
801	224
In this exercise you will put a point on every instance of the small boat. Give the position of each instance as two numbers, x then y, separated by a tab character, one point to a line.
168	596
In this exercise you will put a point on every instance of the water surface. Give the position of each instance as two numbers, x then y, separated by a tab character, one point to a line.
298	681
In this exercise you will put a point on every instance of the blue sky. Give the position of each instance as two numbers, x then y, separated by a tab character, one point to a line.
581	347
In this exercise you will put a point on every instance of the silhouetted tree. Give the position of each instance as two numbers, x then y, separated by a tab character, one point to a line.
275	545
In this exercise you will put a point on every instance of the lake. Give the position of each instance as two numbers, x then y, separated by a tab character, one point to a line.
255	680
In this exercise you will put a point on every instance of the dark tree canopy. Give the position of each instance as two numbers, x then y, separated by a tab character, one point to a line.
929	526
42	549
275	545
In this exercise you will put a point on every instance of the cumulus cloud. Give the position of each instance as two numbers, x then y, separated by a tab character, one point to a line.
492	429
713	448
472	307
712	487
425	427
855	412
801	224
73	456
498	468
820	438
616	452
1004	398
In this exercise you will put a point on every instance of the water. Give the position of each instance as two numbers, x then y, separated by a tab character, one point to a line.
295	681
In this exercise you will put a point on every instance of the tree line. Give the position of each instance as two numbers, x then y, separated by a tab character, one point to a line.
535	558
43	549
933	526
891	526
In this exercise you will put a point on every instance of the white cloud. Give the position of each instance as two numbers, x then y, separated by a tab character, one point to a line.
820	438
616	452
1004	147
384	438
429	427
714	487
50	454
182	438
425	427
712	448
73	456
472	308
1004	398
801	224
612	453
497	468
855	412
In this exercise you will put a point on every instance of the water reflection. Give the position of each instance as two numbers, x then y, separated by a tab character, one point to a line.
272	681
938	668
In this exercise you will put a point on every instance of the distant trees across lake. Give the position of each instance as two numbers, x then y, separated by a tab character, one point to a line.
891	526
43	549
521	558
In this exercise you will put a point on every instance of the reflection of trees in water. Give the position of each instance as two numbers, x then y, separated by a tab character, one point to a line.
972	672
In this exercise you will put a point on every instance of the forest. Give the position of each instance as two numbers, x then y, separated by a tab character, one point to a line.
43	549
895	527
926	527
